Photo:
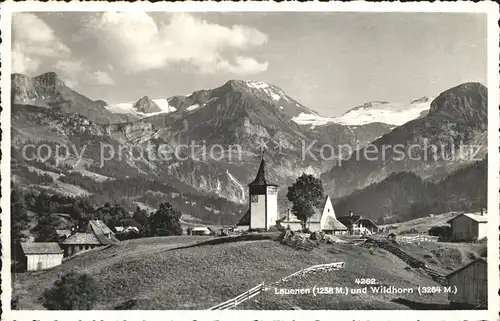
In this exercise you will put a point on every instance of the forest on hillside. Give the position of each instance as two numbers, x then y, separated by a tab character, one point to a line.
405	196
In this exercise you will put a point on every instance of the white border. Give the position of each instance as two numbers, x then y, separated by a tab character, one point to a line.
490	8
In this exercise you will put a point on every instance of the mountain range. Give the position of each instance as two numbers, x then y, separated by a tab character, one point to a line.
432	146
234	123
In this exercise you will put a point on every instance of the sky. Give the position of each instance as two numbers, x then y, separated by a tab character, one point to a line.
330	62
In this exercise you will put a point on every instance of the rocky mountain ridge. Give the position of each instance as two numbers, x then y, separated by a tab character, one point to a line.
49	91
146	105
431	147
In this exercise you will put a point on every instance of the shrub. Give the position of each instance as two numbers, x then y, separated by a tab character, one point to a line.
279	226
315	236
166	221
471	256
273	228
14	302
72	291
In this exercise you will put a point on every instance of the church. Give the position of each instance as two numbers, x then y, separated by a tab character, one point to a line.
263	202
263	211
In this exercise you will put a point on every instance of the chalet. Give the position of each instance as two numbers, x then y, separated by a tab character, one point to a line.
470	282
469	226
323	219
128	229
95	234
358	225
42	256
201	230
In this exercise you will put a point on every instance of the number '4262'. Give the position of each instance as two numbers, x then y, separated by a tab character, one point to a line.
365	281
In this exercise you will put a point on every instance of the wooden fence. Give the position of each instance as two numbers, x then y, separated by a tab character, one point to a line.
261	288
240	298
421	238
416	238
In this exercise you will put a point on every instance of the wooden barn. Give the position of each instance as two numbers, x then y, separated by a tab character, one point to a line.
42	256
467	227
471	282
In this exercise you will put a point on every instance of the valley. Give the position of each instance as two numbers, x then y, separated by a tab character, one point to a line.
214	140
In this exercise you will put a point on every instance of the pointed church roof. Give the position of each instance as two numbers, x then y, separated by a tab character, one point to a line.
260	179
245	219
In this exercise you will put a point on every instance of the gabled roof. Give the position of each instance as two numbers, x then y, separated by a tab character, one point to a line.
63	232
99	227
260	178
245	219
83	239
350	220
95	234
131	228
201	228
41	248
333	224
473	216
480	259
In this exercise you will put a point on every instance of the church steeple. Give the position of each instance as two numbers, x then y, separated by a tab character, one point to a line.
263	200
260	179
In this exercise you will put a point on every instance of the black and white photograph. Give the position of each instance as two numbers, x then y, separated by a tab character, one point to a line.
250	160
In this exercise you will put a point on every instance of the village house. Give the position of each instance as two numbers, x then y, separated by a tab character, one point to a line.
358	225
95	234
262	211
323	220
201	230
127	229
471	284
468	227
42	256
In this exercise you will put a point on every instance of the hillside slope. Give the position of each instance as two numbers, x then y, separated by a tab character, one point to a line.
154	275
404	196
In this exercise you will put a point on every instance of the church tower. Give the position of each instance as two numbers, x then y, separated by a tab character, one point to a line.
263	206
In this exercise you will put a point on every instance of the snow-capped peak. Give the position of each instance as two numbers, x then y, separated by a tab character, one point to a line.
382	112
274	92
257	84
128	108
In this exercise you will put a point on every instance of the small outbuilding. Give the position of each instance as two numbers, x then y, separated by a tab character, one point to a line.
42	256
201	230
468	227
471	282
